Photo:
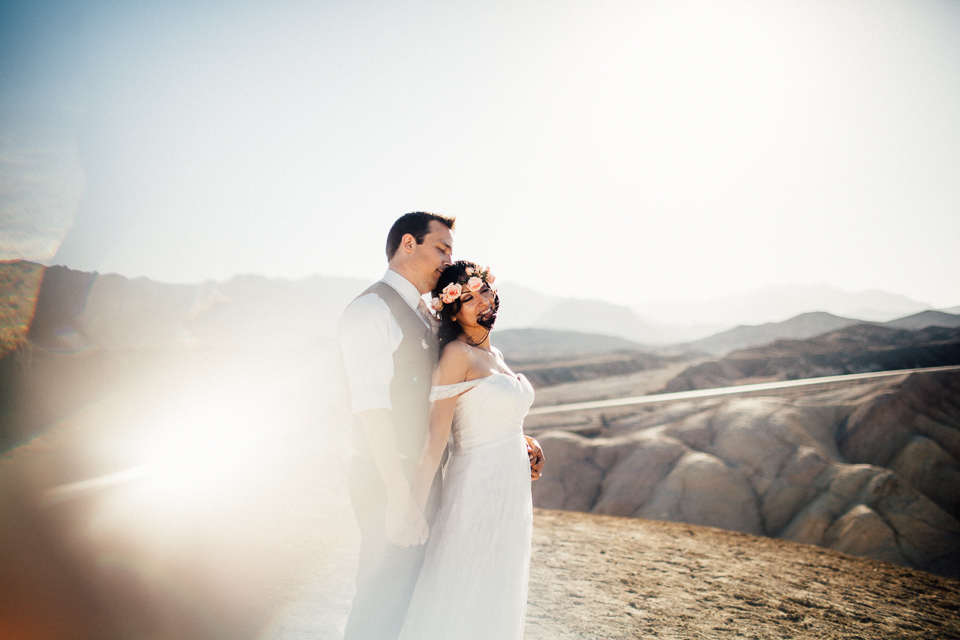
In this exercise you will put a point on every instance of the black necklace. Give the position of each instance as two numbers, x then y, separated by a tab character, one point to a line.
470	342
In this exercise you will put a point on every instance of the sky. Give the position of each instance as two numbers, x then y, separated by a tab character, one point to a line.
627	151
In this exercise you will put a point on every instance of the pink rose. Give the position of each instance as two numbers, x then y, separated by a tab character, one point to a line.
435	304
490	277
450	293
474	284
469	271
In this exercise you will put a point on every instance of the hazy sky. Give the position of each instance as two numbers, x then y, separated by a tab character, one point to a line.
623	150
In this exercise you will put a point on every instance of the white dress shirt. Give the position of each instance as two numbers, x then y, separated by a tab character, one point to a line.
369	335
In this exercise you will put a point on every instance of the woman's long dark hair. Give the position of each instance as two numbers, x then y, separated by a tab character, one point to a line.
450	329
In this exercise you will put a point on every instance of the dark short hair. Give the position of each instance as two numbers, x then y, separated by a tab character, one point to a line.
416	224
449	328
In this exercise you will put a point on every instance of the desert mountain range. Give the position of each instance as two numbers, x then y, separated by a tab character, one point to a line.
856	348
807	325
659	323
779	302
111	311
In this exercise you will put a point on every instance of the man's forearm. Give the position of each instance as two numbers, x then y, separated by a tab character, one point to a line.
382	441
403	521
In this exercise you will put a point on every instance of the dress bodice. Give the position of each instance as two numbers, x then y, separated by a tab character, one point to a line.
489	410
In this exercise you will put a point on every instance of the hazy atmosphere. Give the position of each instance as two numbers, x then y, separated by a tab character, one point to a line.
627	151
725	238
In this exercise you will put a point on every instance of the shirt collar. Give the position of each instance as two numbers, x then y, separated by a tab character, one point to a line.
402	286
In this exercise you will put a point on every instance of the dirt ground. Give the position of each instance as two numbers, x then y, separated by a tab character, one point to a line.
592	576
602	577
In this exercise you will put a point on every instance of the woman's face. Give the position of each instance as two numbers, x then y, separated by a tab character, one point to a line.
475	307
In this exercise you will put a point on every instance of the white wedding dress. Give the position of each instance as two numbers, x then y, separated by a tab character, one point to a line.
473	584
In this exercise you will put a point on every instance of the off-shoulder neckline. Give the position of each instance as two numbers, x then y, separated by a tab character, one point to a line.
477	380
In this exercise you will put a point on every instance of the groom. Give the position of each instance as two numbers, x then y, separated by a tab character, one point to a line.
390	350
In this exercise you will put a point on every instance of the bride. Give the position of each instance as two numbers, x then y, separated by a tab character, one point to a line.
474	579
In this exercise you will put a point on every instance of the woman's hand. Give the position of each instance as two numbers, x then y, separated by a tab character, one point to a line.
404	522
536	458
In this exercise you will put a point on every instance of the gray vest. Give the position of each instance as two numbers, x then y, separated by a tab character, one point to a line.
413	365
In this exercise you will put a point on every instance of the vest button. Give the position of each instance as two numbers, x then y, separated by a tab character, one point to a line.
423	341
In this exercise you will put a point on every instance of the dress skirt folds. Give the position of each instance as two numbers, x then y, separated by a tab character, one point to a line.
474	580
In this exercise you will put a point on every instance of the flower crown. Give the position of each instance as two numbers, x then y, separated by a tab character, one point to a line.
472	280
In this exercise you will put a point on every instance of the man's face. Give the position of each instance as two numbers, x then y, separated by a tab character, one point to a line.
430	258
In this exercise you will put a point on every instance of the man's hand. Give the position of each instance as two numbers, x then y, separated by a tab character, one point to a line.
404	522
536	458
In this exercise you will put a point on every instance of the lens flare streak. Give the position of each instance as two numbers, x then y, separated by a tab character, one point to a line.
83	487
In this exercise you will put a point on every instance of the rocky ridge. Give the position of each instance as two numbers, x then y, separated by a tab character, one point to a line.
868	469
68	310
924	319
805	325
855	349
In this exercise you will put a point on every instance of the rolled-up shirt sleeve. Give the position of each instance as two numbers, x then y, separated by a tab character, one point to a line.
368	336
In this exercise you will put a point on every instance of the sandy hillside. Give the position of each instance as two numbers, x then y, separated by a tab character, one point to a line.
603	577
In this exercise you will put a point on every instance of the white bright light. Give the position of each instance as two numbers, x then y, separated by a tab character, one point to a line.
199	452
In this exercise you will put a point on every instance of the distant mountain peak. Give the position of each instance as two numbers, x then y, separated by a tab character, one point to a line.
776	303
804	325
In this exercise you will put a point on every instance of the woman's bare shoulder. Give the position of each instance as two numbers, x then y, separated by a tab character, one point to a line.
454	363
458	347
